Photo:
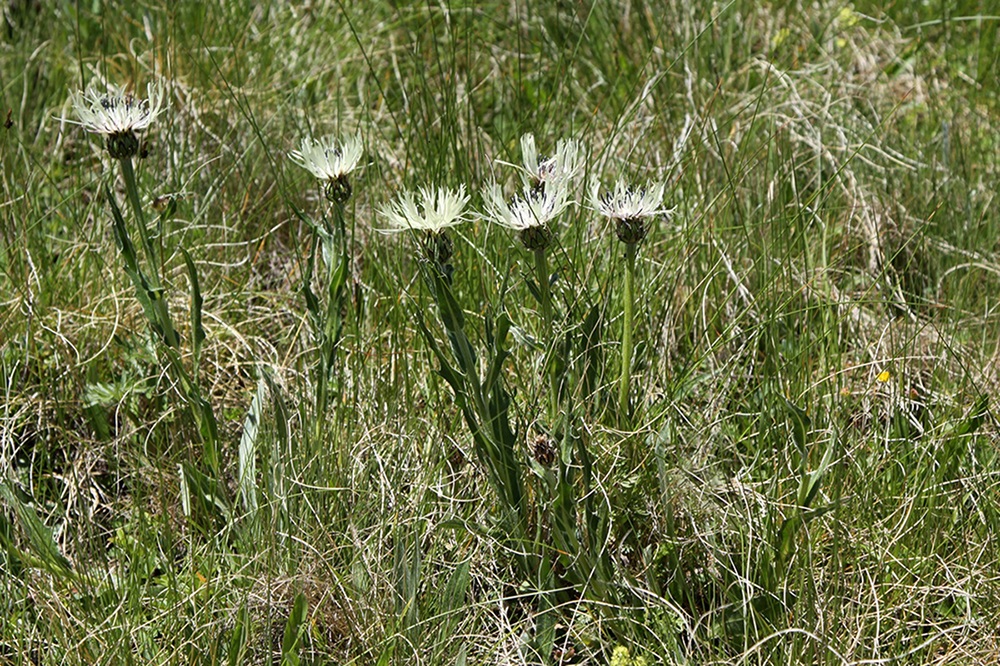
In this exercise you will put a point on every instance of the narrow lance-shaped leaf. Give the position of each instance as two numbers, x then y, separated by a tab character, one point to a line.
43	545
151	299
294	628
247	473
197	331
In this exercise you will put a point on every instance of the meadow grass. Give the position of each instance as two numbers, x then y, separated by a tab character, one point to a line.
436	459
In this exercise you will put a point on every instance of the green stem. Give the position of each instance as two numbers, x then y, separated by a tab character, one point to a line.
319	320
159	302
201	410
140	221
542	275
623	384
322	399
335	285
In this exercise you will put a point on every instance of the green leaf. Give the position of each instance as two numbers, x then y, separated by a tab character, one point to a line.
10	563
407	571
237	653
294	628
247	456
786	538
127	251
282	432
977	416
455	591
43	546
197	331
202	499
274	472
591	350
386	657
209	429
153	304
312	303
533	288
500	354
799	421
810	484
458	524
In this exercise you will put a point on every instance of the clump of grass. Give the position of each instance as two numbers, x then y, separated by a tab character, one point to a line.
775	445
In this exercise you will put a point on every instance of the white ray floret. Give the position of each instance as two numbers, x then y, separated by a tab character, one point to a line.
438	208
559	169
527	210
114	111
626	202
329	158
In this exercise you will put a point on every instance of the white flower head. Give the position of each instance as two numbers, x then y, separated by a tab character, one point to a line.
331	161
525	210
438	209
546	183
540	172
629	207
118	115
529	213
328	158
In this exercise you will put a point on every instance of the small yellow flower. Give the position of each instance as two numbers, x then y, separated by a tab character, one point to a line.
847	17
883	376
619	656
780	37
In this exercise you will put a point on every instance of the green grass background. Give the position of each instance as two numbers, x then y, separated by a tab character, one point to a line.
827	286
